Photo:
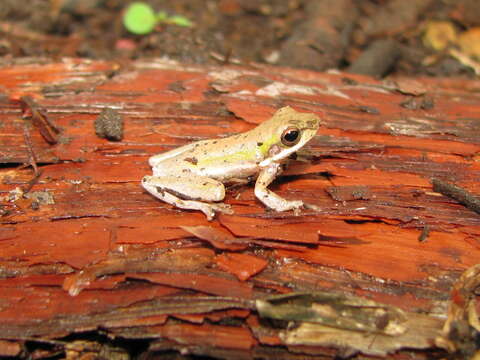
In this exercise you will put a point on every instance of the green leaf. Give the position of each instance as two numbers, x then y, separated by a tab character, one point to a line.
139	18
180	21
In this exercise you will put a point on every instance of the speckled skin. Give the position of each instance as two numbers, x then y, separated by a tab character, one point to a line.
193	175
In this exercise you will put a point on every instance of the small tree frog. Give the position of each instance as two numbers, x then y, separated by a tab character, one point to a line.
193	176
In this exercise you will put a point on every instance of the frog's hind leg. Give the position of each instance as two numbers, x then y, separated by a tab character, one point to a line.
159	158
184	193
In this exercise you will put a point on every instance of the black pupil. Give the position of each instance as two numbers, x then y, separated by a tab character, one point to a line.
291	135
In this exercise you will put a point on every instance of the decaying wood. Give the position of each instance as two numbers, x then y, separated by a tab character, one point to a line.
368	267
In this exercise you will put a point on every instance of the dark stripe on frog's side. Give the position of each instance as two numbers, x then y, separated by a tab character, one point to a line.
176	193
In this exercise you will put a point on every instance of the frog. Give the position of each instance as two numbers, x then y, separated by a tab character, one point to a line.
194	176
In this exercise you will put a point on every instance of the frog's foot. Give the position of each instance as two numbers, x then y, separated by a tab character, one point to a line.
273	201
312	207
268	197
220	207
285	205
223	208
277	203
296	204
207	208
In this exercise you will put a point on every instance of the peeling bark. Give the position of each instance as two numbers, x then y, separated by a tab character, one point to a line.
102	253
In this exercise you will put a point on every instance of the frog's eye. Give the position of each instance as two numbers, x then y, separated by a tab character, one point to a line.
290	136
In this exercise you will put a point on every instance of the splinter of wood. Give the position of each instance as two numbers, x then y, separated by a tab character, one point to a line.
32	159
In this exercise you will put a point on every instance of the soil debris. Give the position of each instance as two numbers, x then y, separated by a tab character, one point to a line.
109	125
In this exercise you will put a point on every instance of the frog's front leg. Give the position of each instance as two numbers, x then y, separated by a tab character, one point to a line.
185	193
268	197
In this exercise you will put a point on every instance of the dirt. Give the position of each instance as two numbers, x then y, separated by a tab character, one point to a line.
318	35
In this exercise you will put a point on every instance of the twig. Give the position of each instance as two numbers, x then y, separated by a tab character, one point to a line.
47	129
455	192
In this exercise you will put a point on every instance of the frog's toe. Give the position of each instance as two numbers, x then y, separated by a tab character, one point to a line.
297	211
208	211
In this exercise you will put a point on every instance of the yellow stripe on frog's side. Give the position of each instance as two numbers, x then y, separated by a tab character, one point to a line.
239	156
248	155
267	144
